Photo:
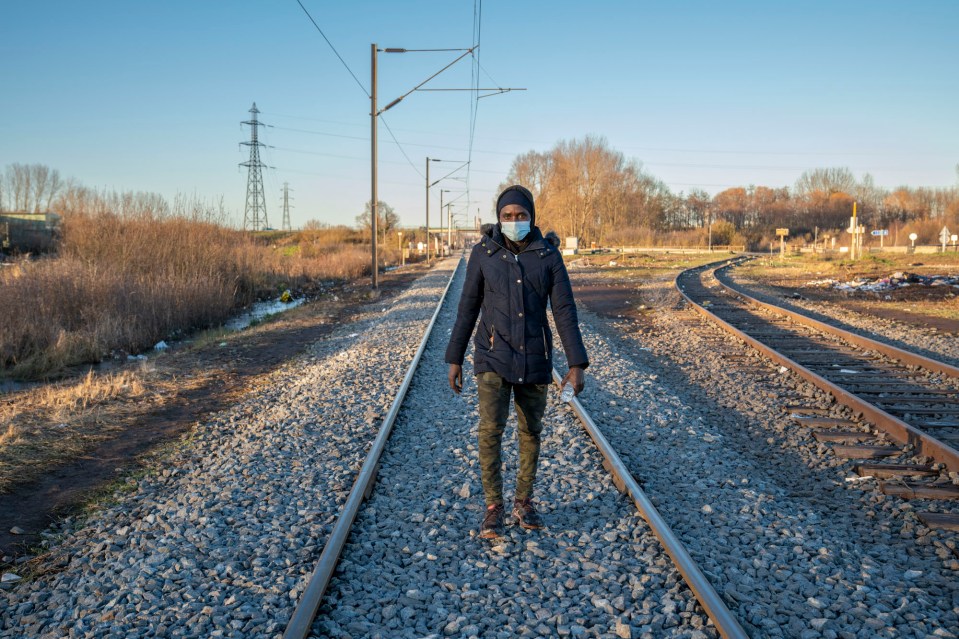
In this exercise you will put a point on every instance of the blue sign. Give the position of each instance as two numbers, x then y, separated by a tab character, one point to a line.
879	232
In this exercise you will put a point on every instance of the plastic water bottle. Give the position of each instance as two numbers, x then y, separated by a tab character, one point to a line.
568	393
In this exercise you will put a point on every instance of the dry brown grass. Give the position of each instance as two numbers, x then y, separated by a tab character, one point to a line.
62	420
123	283
797	268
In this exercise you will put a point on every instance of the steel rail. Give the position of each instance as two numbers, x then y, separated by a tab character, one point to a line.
913	359
724	621
903	433
301	622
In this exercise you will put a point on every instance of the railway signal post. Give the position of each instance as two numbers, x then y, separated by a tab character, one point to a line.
782	234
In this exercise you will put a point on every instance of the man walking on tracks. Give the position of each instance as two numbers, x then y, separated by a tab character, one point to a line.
512	273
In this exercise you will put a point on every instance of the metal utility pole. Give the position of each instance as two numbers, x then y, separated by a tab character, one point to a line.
449	227
286	226
709	226
427	211
254	215
854	229
373	194
442	191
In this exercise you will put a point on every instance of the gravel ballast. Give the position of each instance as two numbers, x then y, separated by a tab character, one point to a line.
797	545
925	341
414	566
221	540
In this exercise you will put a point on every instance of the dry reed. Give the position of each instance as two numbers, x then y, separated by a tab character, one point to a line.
122	283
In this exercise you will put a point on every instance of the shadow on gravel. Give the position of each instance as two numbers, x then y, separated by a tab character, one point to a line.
785	497
942	324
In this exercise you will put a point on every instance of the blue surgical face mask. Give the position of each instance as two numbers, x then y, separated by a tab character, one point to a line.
515	231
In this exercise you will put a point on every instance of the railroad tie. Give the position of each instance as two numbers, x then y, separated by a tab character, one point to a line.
886	471
865	451
915	490
940	521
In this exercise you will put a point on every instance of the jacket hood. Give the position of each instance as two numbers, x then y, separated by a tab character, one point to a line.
494	232
517	192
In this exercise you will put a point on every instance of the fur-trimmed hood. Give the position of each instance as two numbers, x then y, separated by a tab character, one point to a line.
509	295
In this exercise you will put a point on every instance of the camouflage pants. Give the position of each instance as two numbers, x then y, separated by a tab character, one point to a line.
494	397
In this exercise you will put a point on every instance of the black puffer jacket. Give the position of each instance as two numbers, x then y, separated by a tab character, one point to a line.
513	338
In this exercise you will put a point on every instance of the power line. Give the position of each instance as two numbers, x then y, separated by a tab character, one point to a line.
345	65
400	146
474	84
332	135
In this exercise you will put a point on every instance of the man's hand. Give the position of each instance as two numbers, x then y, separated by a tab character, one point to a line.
576	377
456	378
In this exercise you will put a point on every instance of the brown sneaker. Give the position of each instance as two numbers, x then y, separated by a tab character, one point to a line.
492	526
525	515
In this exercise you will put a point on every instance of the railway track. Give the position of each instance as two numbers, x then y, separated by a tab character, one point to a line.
401	468
223	541
910	402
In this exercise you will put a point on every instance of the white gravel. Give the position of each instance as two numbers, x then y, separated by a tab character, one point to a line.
923	340
414	566
220	543
797	550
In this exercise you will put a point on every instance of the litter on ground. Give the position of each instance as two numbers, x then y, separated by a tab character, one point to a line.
897	280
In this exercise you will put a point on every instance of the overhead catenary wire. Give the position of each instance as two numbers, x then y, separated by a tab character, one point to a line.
345	65
474	94
474	84
400	147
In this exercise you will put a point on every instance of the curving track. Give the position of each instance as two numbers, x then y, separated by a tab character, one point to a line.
224	540
907	397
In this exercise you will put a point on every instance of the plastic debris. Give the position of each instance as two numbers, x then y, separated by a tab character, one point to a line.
897	280
161	346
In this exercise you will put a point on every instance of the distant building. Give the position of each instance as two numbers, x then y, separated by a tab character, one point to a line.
29	232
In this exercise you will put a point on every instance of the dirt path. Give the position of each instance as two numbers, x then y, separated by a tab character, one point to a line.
205	380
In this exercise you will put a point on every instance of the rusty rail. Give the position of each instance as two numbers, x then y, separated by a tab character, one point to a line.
912	359
309	603
708	597
903	433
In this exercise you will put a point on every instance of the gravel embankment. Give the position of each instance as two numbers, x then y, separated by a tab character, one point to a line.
219	543
926	341
797	548
414	566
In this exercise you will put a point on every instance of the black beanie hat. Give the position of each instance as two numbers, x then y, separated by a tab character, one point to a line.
517	194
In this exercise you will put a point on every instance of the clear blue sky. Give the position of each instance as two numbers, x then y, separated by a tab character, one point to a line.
148	96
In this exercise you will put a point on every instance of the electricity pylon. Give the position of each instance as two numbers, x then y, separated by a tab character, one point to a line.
254	216
286	226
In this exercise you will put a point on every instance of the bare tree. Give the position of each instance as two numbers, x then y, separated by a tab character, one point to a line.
831	180
44	184
18	179
584	188
386	218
